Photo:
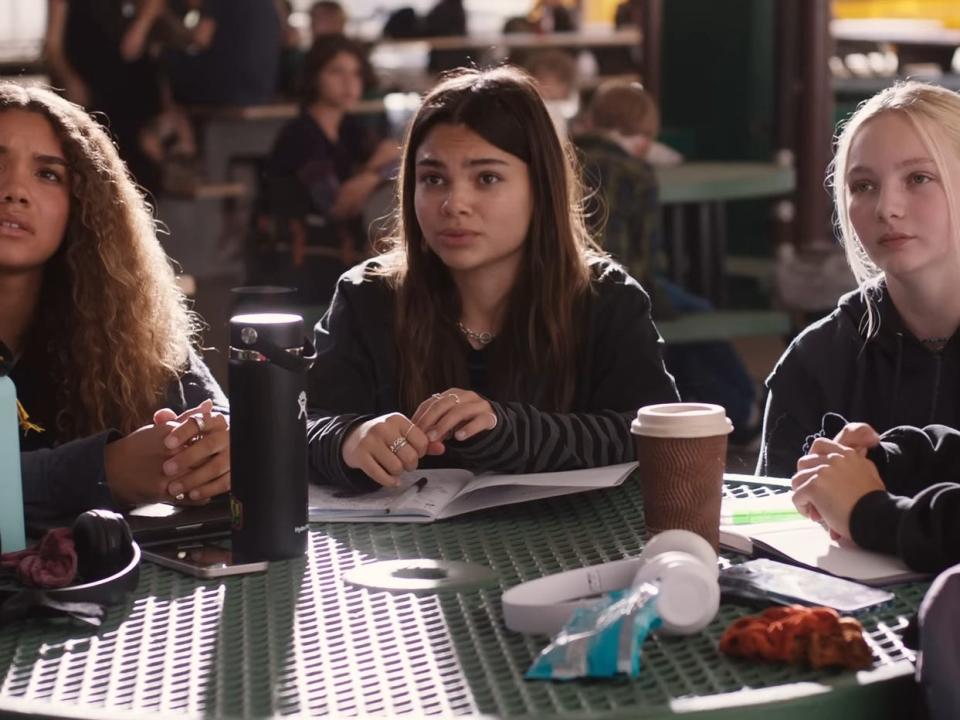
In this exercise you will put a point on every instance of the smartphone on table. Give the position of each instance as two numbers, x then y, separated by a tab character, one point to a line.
769	581
203	558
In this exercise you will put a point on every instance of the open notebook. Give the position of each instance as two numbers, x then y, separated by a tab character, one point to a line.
768	527
428	495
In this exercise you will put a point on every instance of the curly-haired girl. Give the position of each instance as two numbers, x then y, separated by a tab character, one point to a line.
97	332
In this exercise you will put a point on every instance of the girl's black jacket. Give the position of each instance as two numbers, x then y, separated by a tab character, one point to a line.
886	380
619	369
918	517
65	476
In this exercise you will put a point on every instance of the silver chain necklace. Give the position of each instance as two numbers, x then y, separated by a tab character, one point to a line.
481	338
935	343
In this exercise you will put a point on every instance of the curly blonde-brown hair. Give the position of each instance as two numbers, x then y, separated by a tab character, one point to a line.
111	321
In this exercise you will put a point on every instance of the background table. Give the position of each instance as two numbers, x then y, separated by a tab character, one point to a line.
698	182
695	194
298	641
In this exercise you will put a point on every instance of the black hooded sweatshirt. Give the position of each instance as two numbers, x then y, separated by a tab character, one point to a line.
619	369
886	380
918	515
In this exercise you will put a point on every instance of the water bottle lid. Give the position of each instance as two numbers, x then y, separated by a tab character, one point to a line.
282	329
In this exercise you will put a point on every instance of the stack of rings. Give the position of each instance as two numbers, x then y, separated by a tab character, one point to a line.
402	440
201	428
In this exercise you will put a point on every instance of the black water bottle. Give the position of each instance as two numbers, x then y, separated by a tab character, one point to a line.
269	359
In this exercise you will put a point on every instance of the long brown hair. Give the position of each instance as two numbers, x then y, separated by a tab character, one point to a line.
535	356
110	320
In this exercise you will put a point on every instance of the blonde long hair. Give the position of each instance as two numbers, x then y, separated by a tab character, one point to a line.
934	113
110	317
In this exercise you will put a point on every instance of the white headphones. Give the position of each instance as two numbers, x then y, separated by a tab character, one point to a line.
681	563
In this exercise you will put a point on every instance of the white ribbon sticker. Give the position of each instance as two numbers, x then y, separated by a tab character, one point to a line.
302	400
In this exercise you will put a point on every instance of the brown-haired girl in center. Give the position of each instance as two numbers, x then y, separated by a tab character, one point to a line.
492	332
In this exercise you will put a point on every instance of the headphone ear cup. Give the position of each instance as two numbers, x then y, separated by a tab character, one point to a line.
88	542
103	543
120	539
682	541
689	596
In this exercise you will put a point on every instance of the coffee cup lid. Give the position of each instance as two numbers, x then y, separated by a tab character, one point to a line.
681	420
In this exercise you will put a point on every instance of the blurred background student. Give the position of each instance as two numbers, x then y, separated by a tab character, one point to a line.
97	52
327	17
624	211
234	57
555	72
549	16
323	168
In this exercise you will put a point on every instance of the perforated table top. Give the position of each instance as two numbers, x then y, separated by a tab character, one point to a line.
298	640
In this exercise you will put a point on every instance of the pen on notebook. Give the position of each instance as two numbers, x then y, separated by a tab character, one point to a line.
414	489
754	517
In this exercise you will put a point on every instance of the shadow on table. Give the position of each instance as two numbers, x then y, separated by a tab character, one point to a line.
256	654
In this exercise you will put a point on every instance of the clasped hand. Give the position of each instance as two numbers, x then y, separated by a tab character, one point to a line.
832	478
172	460
386	446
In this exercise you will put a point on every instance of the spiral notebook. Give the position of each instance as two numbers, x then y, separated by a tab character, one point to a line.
428	495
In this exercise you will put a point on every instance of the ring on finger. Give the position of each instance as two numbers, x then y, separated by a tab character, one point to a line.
201	425
397	444
433	401
456	398
406	432
179	496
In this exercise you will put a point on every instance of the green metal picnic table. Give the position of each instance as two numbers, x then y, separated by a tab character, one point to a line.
299	641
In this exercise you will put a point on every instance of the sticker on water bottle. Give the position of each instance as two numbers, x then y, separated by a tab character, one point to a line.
302	401
236	513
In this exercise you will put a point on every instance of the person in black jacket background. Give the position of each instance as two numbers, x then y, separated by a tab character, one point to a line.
97	331
889	354
492	333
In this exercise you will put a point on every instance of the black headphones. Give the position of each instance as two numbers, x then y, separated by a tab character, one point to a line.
108	560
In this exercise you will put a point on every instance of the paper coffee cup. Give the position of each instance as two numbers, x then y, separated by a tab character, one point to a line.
681	453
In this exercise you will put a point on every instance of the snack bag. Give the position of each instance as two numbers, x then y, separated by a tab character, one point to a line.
603	639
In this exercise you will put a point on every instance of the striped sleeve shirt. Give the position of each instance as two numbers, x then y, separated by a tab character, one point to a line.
355	379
